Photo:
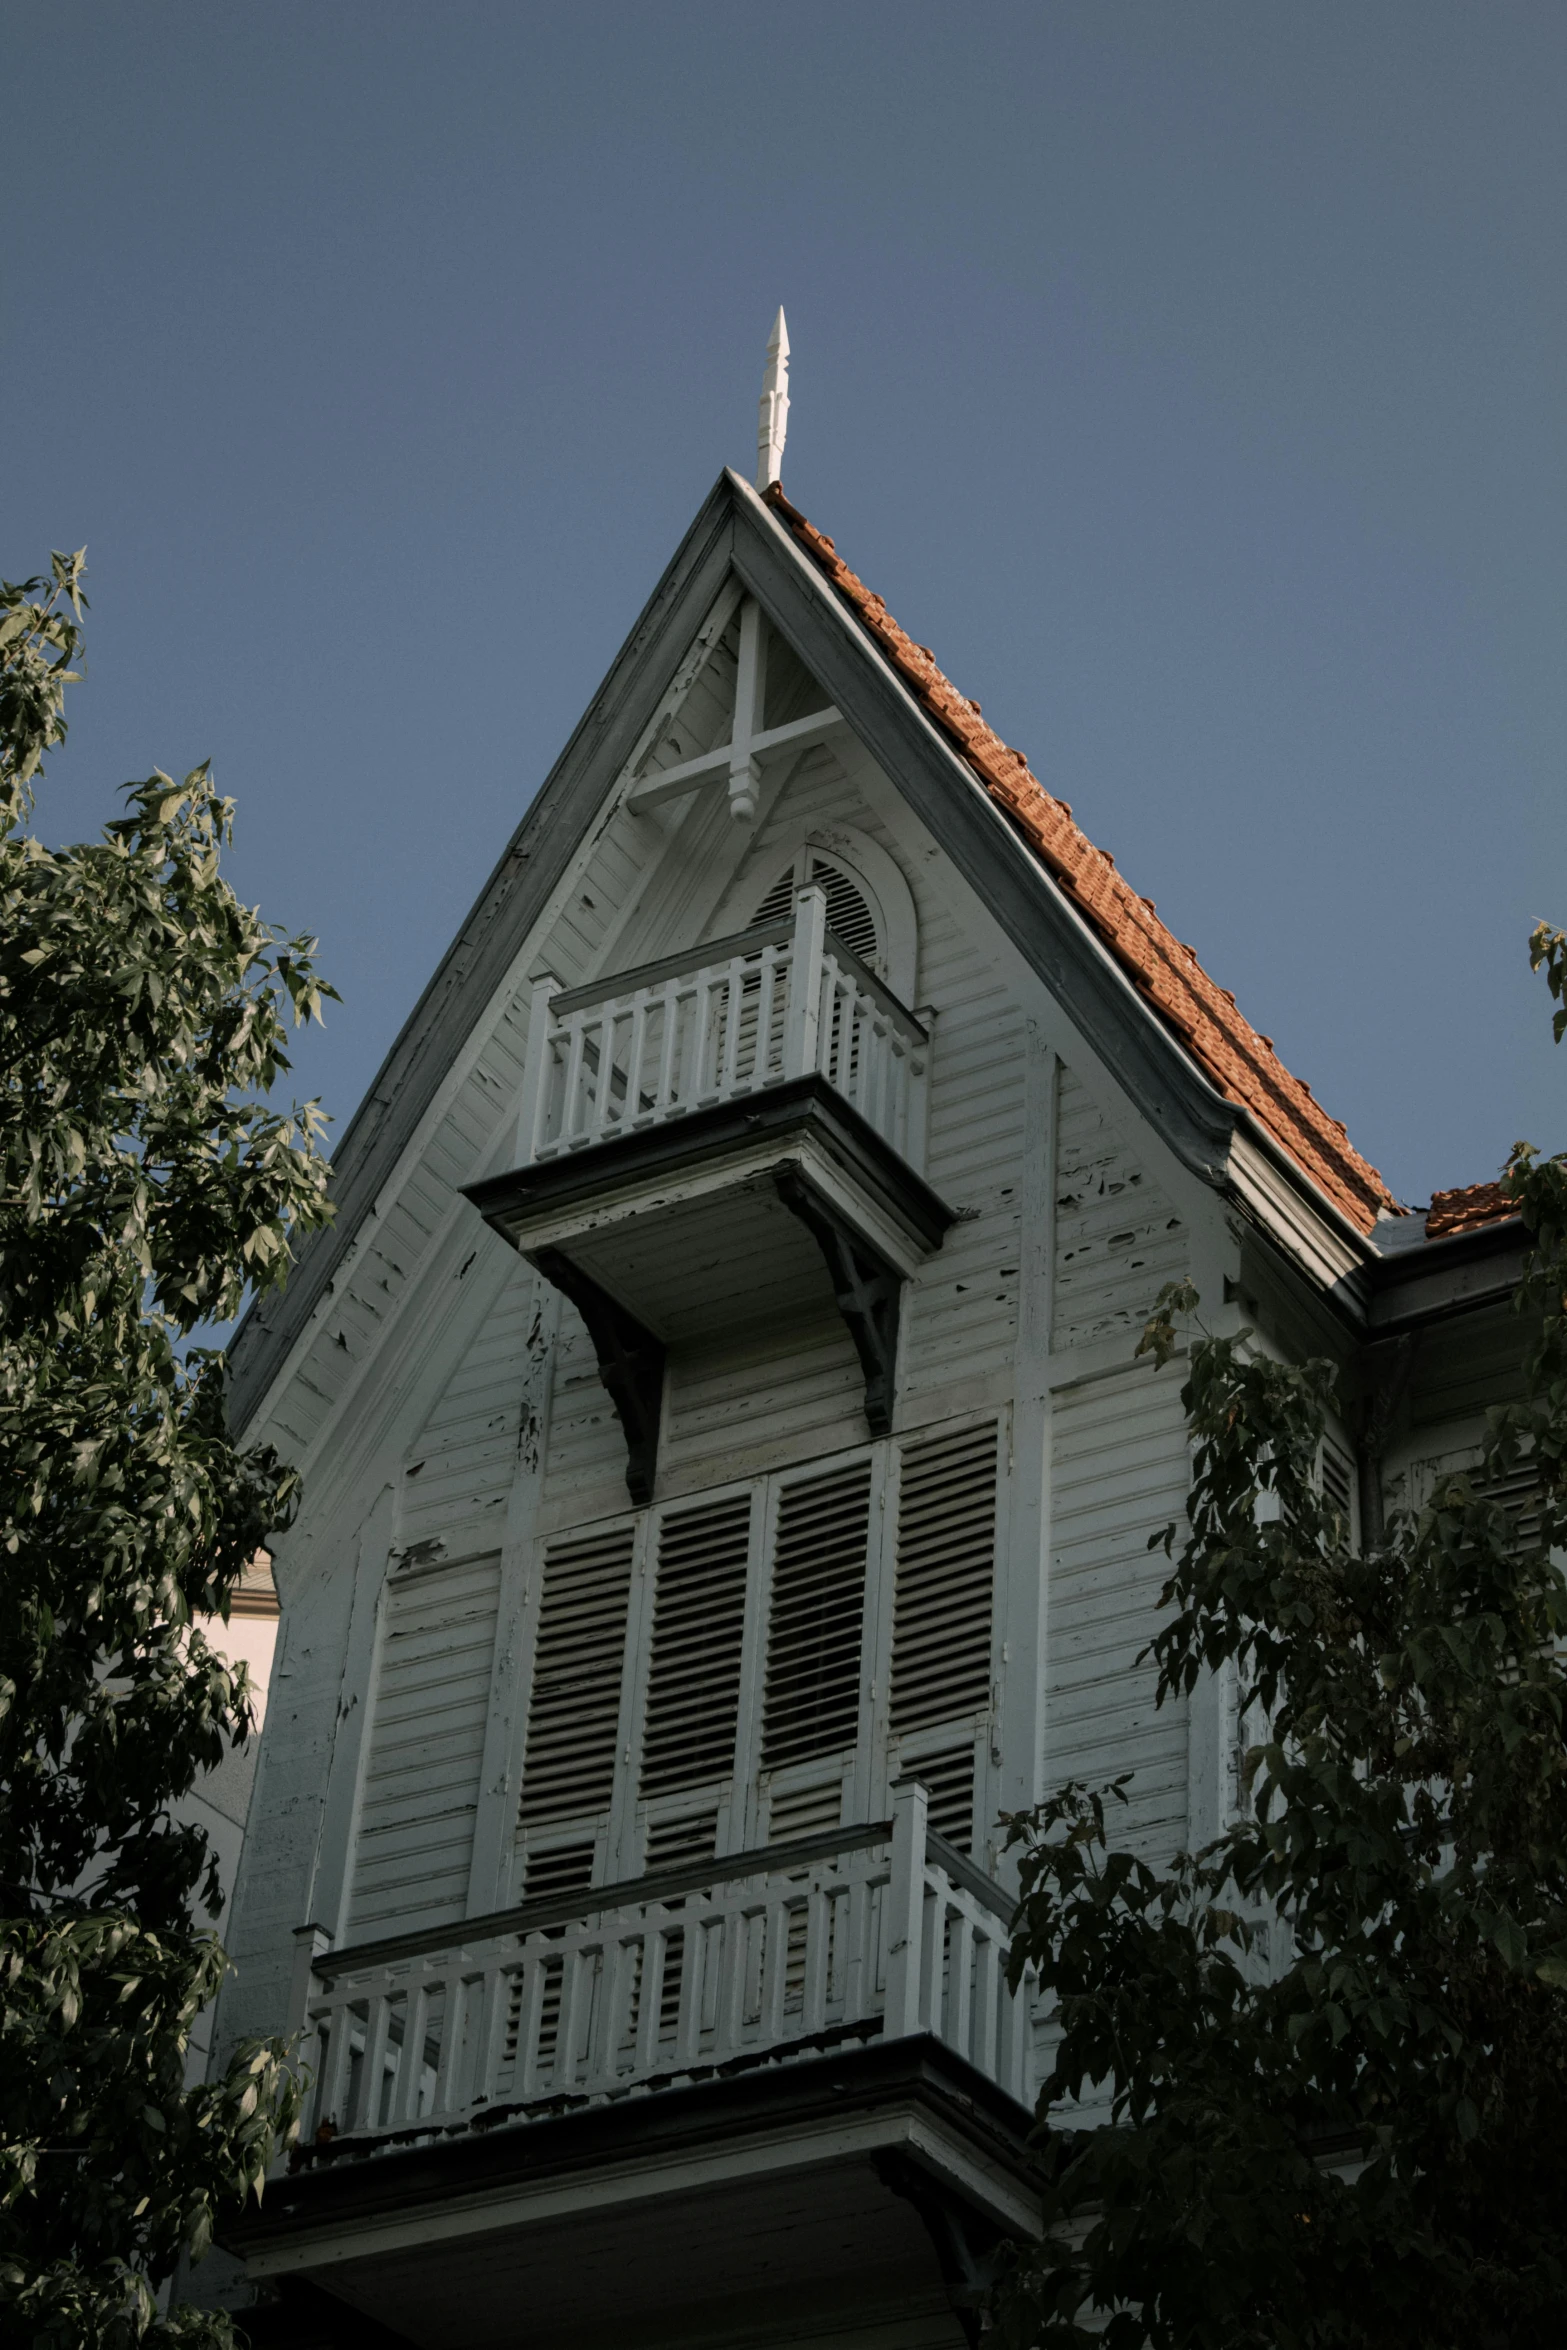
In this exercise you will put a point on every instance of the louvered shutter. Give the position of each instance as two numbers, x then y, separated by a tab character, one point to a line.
1518	1491
945	1578
693	1693
568	1769
1336	1472
812	1696
421	1782
804	1811
948	1779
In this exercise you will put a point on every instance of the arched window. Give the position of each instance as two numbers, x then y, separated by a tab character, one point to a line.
849	914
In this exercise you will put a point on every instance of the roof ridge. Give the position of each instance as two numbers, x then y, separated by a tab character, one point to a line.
1236	1057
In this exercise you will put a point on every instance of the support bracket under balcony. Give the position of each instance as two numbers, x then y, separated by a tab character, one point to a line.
630	1360
968	2245
866	1288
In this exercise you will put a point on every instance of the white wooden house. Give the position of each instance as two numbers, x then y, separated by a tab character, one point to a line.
728	1484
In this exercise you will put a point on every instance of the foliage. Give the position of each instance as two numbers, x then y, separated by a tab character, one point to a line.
1330	2050
145	1183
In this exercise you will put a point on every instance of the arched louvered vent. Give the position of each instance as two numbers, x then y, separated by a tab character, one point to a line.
812	1699
946	1569
848	916
574	1712
693	1691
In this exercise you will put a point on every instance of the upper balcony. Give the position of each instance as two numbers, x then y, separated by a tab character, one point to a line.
725	1137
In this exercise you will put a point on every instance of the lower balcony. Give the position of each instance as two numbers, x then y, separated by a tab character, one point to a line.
875	1932
781	2096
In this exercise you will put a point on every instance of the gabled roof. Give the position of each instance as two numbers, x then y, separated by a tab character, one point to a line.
1191	1063
1231	1053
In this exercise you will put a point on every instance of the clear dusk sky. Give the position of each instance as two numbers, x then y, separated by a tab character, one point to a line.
1193	378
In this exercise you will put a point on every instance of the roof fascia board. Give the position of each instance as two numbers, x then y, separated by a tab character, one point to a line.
1146	1061
1282	1195
517	893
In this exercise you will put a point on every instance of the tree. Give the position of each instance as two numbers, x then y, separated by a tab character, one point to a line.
145	1184
1333	2044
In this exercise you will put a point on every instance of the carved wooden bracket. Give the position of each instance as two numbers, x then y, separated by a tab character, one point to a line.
969	2247
630	1360
867	1290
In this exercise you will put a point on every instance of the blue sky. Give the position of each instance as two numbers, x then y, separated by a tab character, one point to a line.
1189	377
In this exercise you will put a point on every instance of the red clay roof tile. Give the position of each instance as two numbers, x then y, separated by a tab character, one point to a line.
1229	1051
1467	1209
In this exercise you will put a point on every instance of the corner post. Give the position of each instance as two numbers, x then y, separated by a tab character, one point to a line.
536	1072
309	1943
802	1022
905	1914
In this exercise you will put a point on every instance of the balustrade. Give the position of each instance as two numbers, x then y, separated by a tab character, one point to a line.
769	1004
878	1933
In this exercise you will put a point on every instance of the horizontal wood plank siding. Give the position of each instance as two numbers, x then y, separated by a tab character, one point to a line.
1120	1473
460	1473
800	1387
1118	1239
962	1307
421	1778
585	1456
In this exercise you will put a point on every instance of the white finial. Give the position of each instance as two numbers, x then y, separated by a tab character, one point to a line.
772	423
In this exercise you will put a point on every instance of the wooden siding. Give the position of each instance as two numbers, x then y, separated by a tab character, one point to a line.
458	1477
421	1780
1118	1239
585	1450
1120	1473
790	1390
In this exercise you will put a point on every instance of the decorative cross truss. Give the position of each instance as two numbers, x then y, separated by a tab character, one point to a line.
738	762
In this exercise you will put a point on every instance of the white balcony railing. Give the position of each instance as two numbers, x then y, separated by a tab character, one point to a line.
646	1046
888	1934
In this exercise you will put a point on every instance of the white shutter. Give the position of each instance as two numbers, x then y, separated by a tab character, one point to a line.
693	1692
1336	1476
1518	1491
945	1578
804	1811
421	1781
681	1843
812	1697
568	1769
948	1779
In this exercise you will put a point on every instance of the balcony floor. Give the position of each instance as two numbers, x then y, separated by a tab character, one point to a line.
751	2209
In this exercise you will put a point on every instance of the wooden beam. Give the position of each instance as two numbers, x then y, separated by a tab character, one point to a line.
671	783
